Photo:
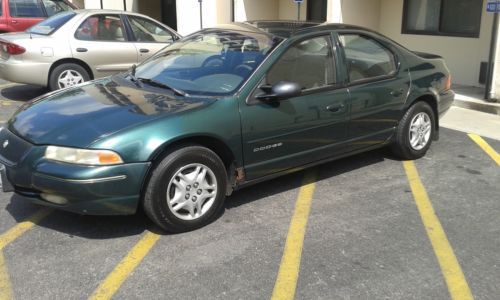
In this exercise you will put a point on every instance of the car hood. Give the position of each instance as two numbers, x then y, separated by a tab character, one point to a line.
78	116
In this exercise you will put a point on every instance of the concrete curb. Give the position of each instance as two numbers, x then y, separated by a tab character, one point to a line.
486	107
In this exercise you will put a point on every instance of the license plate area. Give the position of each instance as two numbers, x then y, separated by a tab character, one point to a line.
5	185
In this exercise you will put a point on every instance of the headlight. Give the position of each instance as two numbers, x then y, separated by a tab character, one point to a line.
82	156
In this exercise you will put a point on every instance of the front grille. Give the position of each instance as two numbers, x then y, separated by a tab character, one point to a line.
12	147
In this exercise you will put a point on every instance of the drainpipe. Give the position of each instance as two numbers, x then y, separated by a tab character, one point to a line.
488	94
101	4
201	13
125	5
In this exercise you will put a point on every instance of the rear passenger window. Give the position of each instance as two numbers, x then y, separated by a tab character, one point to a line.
101	28
366	58
146	31
309	63
26	9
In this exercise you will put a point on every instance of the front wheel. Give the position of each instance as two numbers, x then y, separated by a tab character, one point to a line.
415	131
186	189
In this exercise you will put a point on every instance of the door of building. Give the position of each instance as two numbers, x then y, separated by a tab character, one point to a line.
316	10
168	13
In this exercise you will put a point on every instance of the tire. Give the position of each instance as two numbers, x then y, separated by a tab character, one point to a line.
70	72
195	202
413	144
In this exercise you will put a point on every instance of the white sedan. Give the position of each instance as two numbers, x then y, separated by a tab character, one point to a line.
75	46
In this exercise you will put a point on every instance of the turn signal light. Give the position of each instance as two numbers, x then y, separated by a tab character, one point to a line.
11	48
109	158
447	84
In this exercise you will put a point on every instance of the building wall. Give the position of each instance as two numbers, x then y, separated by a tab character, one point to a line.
188	15
361	12
78	3
115	4
245	10
150	8
463	55
287	10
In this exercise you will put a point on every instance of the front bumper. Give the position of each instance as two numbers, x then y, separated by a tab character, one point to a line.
93	190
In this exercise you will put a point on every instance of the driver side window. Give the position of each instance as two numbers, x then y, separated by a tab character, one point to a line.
309	63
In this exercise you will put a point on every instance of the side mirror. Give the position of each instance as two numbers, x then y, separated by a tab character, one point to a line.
280	91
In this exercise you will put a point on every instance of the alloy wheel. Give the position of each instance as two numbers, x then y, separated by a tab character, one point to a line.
420	130
192	191
69	78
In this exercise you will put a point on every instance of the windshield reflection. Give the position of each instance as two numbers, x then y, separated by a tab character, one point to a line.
211	62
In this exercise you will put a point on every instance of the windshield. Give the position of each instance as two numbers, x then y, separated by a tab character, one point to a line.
50	25
210	62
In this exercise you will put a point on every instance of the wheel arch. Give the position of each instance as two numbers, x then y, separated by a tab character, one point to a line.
217	145
213	143
73	61
432	101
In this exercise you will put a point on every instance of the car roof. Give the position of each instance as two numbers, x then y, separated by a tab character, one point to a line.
107	11
287	28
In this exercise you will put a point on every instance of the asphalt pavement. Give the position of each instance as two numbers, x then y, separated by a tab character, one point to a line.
365	236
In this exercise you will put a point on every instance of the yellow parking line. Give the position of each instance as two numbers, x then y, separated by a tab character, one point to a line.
7	238
122	271
486	147
288	273
5	286
454	277
16	231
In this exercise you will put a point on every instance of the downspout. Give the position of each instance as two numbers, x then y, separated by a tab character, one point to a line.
489	91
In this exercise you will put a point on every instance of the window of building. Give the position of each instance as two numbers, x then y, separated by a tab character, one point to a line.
443	17
309	63
147	31
26	9
101	28
366	58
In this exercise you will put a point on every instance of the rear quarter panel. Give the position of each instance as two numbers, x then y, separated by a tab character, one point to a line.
429	76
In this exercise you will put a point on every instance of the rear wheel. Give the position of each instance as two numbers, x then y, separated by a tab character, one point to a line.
415	131
186	189
67	75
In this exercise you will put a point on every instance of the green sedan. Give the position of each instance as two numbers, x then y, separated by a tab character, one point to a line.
221	109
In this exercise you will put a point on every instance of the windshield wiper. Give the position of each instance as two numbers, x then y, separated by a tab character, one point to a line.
161	85
132	75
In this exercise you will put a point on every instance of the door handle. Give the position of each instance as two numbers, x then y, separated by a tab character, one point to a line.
81	50
335	107
14	22
144	50
397	93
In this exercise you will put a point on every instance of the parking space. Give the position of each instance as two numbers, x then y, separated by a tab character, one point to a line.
365	236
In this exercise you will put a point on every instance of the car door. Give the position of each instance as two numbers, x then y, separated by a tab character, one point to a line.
149	37
377	86
102	42
300	130
24	14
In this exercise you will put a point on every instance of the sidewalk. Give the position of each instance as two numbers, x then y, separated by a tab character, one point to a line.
472	97
470	113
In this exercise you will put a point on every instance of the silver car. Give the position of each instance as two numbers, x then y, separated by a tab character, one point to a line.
75	46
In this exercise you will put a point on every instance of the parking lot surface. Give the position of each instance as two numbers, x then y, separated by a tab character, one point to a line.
365	236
